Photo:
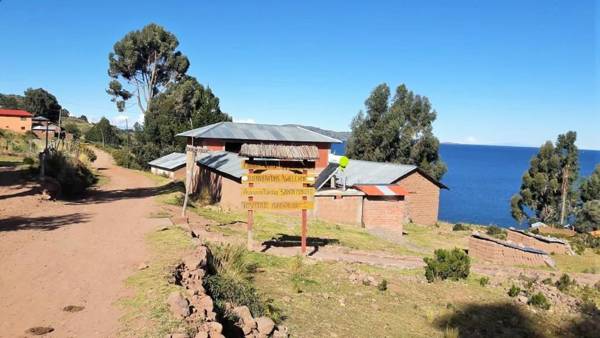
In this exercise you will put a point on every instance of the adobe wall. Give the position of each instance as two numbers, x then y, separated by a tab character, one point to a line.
494	252
537	243
15	123
338	209
423	199
162	172
219	189
384	211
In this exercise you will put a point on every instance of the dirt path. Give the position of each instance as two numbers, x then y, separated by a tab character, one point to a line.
56	254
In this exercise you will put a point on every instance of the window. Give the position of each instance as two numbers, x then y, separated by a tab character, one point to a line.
22	128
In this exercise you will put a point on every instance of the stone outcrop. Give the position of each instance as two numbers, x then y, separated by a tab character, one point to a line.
196	307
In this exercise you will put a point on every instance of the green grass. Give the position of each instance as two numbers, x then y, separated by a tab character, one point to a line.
146	313
10	160
268	226
329	303
589	262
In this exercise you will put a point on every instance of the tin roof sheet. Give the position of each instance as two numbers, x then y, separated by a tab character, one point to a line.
170	162
258	132
224	162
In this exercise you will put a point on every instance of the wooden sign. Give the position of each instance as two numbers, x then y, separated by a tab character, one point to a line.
283	205
278	192
278	178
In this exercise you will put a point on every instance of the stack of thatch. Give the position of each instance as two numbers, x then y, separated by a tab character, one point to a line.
280	151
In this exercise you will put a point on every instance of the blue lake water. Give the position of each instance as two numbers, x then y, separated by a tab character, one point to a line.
482	180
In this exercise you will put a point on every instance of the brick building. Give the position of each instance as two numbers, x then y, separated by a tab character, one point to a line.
368	194
18	121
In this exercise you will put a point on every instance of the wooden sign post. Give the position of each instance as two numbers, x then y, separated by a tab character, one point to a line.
277	191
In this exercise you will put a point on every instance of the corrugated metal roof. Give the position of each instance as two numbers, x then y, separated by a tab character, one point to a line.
224	162
257	132
169	162
382	190
367	172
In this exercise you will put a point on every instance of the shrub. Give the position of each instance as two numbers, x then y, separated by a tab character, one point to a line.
229	281
539	300
460	227
453	264
565	282
496	232
124	158
483	281
89	153
382	286
74	177
580	242
299	277
547	281
514	291
28	161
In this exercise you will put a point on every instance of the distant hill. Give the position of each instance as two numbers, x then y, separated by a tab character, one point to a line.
340	135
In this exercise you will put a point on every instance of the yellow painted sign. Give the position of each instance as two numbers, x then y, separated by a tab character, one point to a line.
278	191
283	205
278	178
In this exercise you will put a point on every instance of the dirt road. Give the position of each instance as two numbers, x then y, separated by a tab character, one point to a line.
56	254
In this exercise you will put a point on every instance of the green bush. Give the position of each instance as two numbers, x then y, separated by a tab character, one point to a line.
229	281
547	281
460	227
565	282
74	177
299	277
483	281
580	242
124	158
382	286
539	300
28	161
453	264
496	232
514	291
89	153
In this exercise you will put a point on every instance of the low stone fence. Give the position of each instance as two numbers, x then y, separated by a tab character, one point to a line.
547	244
506	253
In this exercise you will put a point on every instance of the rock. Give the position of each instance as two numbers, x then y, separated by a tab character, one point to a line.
143	266
205	304
213	328
178	304
197	259
522	299
201	334
177	335
246	321
281	332
265	325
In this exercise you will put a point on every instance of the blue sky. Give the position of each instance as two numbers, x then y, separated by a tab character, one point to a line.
502	72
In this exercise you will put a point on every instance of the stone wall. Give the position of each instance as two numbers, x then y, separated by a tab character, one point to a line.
550	245
504	253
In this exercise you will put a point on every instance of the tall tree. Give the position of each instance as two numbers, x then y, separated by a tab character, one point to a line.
397	130
11	101
103	132
588	217
41	103
547	191
184	105
142	64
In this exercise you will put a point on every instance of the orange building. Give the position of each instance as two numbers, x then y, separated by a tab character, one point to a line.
18	121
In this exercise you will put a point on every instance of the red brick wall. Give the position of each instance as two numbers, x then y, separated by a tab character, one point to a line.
384	211
499	254
323	161
532	242
339	209
423	199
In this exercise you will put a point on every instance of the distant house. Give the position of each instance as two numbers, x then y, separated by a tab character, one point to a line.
18	121
40	130
368	194
172	166
376	194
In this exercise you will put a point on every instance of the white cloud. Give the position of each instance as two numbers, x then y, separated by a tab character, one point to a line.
244	120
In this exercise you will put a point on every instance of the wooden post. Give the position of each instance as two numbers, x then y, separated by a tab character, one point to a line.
304	216
250	221
190	162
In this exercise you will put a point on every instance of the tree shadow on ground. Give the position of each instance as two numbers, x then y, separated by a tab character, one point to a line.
511	321
286	241
103	196
45	223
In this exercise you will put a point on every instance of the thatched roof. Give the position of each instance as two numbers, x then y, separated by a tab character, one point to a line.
280	151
